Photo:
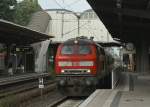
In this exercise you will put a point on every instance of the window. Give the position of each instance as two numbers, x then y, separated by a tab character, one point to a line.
90	15
86	16
84	49
67	49
76	49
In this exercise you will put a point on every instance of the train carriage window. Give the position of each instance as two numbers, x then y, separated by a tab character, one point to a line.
84	49
67	49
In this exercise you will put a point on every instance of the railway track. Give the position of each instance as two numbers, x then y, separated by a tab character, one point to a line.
23	96
22	83
67	102
27	89
20	78
16	89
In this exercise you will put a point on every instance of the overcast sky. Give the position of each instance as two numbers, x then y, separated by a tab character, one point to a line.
74	5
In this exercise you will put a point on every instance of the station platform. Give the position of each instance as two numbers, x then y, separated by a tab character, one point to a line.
140	96
125	95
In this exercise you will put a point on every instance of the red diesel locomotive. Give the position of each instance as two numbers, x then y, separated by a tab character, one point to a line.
81	66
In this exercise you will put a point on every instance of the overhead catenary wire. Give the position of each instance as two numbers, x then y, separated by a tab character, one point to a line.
75	29
68	5
73	3
59	4
62	26
91	32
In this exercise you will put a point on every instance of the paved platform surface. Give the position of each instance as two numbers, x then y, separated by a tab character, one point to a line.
140	96
98	98
124	95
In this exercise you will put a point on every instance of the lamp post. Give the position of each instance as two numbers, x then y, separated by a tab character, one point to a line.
62	22
62	25
78	19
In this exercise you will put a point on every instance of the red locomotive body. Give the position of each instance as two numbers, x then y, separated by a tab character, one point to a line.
79	64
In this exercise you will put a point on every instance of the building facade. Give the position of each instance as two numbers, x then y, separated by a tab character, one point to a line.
65	24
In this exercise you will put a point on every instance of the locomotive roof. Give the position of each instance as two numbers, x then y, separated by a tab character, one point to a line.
81	41
85	41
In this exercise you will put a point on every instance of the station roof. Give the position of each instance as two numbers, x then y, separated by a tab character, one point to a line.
128	20
11	33
110	44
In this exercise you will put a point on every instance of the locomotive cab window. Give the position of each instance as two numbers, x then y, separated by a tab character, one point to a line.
84	49
67	49
76	49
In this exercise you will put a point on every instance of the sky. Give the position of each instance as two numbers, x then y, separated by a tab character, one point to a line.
73	5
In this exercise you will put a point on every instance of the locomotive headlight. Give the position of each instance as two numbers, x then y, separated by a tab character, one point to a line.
86	63
88	71
64	63
62	71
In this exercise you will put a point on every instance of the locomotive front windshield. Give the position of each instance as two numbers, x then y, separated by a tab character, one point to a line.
76	49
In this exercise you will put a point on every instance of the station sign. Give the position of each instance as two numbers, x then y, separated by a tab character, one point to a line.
41	86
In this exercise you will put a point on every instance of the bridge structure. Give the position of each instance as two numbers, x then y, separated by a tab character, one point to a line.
128	20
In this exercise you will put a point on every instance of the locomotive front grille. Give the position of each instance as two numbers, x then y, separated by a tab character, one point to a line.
76	71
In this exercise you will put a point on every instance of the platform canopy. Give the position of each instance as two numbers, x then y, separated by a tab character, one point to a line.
11	33
111	44
128	20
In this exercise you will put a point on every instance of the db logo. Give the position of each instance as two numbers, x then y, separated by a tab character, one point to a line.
75	63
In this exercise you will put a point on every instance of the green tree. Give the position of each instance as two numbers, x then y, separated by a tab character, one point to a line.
19	13
7	9
24	11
